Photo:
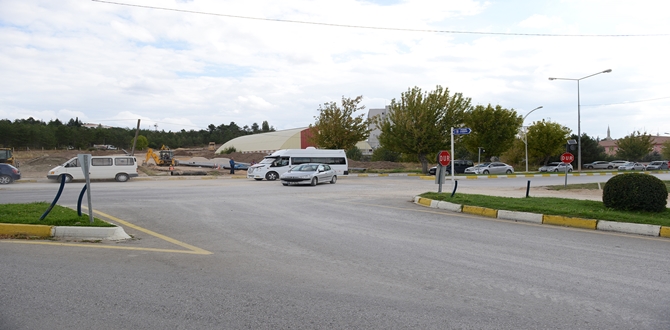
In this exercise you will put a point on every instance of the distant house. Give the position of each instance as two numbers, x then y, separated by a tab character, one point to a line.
611	147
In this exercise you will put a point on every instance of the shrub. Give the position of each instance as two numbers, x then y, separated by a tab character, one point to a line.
384	154
354	153
635	192
228	151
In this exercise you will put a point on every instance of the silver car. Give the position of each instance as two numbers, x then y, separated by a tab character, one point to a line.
494	168
311	173
657	165
601	164
475	169
556	167
631	166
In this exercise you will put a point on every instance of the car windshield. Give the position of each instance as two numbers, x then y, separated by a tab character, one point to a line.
482	165
267	160
554	164
305	168
656	163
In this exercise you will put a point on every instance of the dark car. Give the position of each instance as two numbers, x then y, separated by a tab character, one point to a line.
459	167
9	174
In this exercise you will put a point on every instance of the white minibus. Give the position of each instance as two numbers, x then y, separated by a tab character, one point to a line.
120	168
280	161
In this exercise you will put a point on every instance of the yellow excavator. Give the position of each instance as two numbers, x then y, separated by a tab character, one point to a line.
6	156
164	157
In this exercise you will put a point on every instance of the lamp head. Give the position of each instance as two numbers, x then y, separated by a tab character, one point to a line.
607	71
552	78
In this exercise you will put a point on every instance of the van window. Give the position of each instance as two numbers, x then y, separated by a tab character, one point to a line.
124	161
73	163
101	162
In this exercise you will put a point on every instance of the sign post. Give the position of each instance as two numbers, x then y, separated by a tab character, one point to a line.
567	158
443	160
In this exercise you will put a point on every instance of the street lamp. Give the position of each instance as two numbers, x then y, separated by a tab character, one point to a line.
579	120
525	134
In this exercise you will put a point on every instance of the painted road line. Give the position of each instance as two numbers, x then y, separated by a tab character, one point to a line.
195	249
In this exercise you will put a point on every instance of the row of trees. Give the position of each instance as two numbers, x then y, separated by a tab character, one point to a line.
419	123
36	134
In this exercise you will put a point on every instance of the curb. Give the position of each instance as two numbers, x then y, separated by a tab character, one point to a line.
95	233
555	220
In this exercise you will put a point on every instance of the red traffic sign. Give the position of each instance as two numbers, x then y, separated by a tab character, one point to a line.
444	158
567	158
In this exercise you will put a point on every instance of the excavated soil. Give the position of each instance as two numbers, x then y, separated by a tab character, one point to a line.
36	163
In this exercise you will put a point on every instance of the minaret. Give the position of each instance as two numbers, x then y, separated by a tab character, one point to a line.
608	133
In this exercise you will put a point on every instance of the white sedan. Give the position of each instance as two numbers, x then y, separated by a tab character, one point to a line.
311	173
493	168
556	167
631	166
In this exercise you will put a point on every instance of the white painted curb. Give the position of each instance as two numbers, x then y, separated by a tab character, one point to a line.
520	216
630	228
108	233
449	206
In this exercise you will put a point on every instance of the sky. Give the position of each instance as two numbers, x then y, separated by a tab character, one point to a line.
186	64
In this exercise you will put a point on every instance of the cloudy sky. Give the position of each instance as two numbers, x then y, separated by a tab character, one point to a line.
187	64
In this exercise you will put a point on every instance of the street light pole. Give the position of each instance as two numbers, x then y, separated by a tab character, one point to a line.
579	120
525	134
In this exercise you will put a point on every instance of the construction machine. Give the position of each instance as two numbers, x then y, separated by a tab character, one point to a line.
164	157
6	156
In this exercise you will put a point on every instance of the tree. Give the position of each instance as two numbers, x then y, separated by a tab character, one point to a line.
634	146
546	139
419	122
142	142
665	151
591	150
493	128
337	128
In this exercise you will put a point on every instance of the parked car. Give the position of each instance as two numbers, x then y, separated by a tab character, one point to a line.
494	168
556	167
459	167
475	169
9	174
631	166
310	173
657	165
601	164
618	163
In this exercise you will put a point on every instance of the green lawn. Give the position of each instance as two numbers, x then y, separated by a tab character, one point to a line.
59	216
554	206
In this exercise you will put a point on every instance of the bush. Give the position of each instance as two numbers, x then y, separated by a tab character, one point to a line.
383	154
635	192
354	153
228	151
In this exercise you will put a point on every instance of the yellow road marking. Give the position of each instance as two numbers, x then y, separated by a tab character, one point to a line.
155	234
190	249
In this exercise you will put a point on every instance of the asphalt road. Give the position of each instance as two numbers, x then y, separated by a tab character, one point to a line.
239	254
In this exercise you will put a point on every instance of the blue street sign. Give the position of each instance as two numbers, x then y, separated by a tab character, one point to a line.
461	131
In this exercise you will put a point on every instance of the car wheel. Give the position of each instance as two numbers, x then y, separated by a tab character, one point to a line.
590	167
122	177
5	179
271	176
285	183
486	172
258	179
609	167
509	172
556	170
68	178
334	179
314	181
569	170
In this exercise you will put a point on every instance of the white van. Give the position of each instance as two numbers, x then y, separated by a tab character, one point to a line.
280	161
119	168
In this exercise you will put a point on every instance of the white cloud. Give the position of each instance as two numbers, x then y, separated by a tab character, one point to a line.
112	63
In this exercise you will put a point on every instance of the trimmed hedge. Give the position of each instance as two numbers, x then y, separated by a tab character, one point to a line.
635	192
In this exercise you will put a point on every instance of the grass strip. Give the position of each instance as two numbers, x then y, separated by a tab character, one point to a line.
30	213
555	206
